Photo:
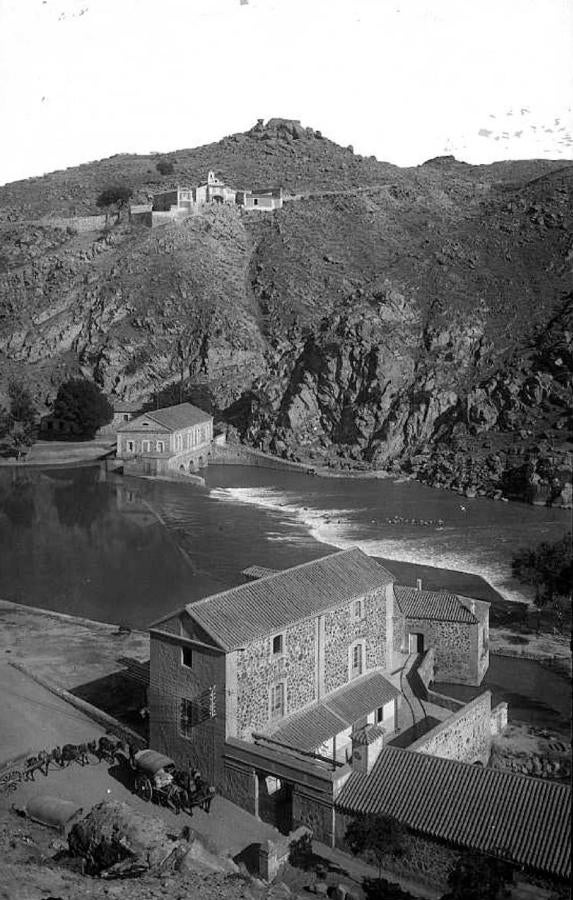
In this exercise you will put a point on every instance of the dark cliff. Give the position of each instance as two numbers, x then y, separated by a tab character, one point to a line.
415	319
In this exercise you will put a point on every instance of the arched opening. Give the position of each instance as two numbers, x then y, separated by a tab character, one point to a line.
217	199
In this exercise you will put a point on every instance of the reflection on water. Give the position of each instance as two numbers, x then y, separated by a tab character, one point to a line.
129	550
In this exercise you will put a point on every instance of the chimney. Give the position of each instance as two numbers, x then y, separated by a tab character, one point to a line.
418	584
366	747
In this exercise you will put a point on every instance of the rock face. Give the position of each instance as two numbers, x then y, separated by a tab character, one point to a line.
417	319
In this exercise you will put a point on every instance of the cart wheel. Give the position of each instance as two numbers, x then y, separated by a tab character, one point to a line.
143	787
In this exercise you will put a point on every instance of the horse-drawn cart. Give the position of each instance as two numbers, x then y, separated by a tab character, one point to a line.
157	778
154	779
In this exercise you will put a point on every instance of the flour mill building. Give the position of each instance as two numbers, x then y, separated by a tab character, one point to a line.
305	696
174	438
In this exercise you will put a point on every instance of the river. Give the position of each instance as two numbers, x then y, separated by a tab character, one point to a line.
127	550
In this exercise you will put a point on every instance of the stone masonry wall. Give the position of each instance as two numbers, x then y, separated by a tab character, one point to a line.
452	644
341	631
170	683
465	736
258	670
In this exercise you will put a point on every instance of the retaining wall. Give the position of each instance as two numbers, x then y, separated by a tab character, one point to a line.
238	455
465	736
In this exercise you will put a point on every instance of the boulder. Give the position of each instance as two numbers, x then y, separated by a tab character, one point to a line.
116	840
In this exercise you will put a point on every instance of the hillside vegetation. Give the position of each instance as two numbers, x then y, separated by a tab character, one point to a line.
415	319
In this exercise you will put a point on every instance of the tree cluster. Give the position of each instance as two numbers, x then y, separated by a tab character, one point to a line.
115	198
549	569
18	422
82	405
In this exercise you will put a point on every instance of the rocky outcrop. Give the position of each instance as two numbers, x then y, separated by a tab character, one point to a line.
411	320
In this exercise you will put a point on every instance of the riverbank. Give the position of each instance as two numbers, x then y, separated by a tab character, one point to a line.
62	453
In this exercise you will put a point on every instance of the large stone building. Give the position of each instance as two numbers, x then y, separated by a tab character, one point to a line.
306	696
175	438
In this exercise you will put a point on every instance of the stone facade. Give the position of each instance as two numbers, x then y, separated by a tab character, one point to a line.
371	629
461	651
258	670
149	448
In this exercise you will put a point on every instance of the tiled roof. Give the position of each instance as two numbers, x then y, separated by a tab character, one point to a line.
170	418
432	605
258	572
243	614
307	730
522	819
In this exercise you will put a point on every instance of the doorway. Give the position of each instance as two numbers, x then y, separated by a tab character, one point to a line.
416	642
275	802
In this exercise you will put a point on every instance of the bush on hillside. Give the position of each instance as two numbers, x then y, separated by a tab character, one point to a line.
165	167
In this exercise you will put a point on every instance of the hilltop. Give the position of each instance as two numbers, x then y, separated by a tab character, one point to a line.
417	319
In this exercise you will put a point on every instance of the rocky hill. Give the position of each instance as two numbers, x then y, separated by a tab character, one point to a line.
415	319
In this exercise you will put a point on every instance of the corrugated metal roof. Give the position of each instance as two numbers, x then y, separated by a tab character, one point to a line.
243	614
307	730
522	819
170	418
439	605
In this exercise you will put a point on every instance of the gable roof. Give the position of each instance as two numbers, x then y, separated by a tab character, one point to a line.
170	418
437	605
519	818
236	617
309	729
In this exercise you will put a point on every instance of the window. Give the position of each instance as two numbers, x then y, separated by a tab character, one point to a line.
356	662
277	701
146	446
379	715
278	645
357	610
198	710
126	417
160	446
187	657
130	446
189	717
179	442
255	202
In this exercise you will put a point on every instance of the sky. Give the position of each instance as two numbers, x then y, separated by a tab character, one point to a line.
404	80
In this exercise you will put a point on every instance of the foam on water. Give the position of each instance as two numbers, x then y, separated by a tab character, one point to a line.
441	548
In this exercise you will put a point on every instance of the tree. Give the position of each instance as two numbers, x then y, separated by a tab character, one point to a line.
376	836
81	403
476	877
18	423
548	567
165	167
116	196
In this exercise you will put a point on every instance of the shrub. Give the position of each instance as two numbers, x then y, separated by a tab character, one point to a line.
165	167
